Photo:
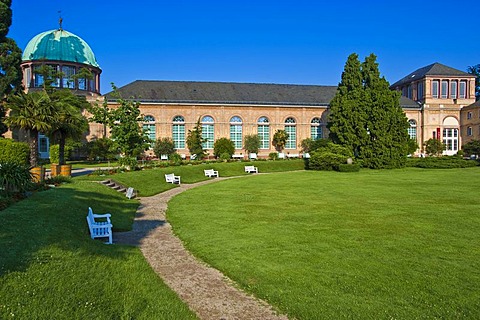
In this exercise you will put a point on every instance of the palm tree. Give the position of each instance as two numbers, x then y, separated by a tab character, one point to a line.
69	121
33	112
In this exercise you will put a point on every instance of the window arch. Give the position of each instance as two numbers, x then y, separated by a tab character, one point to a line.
263	130
178	132
412	129
208	127
236	130
149	128
291	129
316	128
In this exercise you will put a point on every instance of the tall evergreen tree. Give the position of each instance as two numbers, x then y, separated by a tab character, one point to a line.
387	144
365	116
347	117
10	59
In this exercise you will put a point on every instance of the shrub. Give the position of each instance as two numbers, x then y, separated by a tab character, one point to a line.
440	163
176	158
223	145
101	149
348	167
326	160
434	147
225	156
273	155
55	153
279	140
12	151
14	177
164	146
129	163
252	143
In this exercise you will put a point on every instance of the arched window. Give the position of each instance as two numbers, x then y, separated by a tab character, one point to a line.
263	130
450	135
178	132
291	129
412	130
316	129
208	132
236	132
149	128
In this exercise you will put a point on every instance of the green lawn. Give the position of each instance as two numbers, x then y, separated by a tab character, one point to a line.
51	269
149	182
391	244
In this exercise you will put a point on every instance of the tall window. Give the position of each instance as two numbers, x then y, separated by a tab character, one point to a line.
149	128
419	90
409	91
444	89
263	128
236	132
463	90
469	131
450	139
208	132
315	129
178	132
291	129
453	89
469	115
67	77
412	130
435	84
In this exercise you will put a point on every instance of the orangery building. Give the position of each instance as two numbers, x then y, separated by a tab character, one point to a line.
438	101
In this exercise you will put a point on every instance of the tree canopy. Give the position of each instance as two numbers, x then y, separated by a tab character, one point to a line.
475	70
195	141
365	116
10	59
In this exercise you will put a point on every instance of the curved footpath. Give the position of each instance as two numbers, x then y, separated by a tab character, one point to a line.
206	291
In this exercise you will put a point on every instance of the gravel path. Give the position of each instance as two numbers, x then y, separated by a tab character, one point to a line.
206	291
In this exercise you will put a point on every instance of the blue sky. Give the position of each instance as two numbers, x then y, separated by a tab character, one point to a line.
283	41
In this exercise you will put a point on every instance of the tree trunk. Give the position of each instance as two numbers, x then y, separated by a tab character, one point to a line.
33	142
61	150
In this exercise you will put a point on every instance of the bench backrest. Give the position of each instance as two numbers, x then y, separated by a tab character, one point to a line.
169	177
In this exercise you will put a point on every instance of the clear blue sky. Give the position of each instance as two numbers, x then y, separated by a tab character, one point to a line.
282	41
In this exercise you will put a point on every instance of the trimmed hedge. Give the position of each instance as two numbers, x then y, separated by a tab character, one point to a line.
444	162
13	151
348	167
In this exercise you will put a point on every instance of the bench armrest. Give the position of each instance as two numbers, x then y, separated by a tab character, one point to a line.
106	215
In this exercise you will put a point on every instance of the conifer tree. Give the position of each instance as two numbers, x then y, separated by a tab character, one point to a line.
387	144
347	117
365	116
10	59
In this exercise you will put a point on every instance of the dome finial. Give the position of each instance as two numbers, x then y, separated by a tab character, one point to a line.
60	20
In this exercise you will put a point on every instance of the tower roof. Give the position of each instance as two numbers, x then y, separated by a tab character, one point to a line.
59	45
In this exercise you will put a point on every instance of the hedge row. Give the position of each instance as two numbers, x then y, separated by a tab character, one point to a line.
12	151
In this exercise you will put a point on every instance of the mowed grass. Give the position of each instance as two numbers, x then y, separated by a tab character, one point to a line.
51	269
149	182
391	244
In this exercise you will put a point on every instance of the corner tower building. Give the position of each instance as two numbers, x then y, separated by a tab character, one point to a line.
69	55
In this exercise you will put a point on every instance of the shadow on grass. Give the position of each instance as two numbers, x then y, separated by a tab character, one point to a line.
141	229
57	218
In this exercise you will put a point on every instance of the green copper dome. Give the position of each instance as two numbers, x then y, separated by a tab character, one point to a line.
59	45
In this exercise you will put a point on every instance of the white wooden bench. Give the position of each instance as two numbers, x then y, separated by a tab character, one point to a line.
293	155
252	156
171	178
251	169
100	229
237	156
211	173
281	155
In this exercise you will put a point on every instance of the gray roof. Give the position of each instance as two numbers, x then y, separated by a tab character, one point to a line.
226	93
233	93
408	103
434	69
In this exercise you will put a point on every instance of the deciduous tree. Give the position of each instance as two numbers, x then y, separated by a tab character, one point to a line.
195	141
10	59
475	70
